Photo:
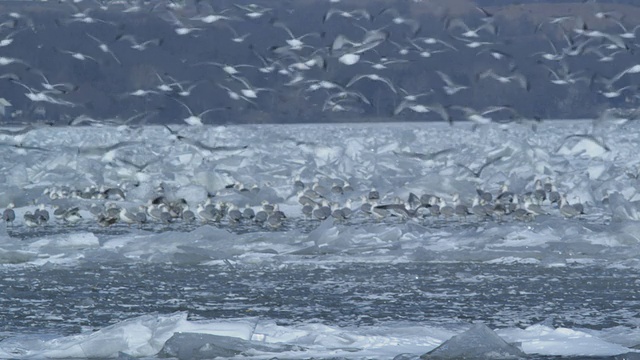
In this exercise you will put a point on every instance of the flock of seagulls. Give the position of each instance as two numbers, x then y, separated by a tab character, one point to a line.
317	201
208	61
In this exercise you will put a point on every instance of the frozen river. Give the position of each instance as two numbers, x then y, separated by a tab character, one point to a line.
373	285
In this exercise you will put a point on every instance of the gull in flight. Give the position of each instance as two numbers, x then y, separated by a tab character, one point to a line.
62	88
8	40
229	69
414	97
193	119
253	11
354	14
7	61
450	87
469	32
104	48
180	28
627	34
250	91
480	118
295	43
515	77
77	55
399	20
236	37
42	96
419	108
374	77
136	45
235	96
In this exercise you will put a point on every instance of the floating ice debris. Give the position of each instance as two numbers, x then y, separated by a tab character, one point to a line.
479	342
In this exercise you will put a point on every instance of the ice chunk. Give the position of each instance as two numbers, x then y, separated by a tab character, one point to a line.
479	342
208	346
622	209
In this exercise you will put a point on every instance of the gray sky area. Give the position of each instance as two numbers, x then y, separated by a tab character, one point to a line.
228	62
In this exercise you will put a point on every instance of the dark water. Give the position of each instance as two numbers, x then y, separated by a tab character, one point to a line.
64	301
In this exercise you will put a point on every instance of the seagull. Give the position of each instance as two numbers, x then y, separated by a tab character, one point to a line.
179	27
211	18
60	87
517	77
383	62
354	14
450	87
627	34
374	77
139	46
42	96
399	20
250	91
635	69
8	61
295	43
435	41
8	40
201	146
229	69
77	55
611	93
235	96
480	117
419	108
566	77
472	44
253	11
603	57
413	97
236	37
468	32
193	119
425	53
478	173
104	47
9	215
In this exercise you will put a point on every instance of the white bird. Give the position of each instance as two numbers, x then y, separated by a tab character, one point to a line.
77	55
8	40
450	87
236	37
383	62
468	32
7	61
229	69
479	117
627	34
419	108
104	48
235	96
136	45
295	43
250	91
399	20
354	14
611	93
179	27
193	119
374	77
519	78
253	11
423	52
414	97
59	87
